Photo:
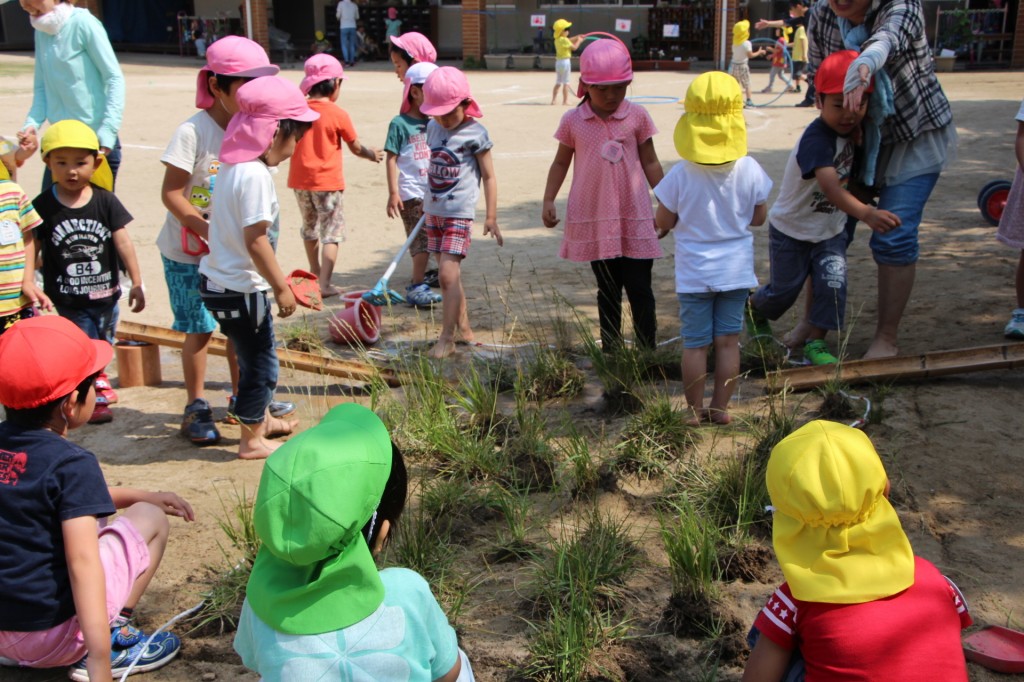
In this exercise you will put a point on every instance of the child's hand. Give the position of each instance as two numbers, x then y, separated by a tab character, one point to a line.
36	295
28	143
395	206
491	228
375	155
137	298
171	504
549	214
285	302
661	232
881	221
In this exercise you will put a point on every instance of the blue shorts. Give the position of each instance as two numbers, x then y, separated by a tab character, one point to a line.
907	200
190	315
706	316
98	323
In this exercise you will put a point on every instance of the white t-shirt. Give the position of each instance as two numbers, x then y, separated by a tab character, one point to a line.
1020	114
740	52
714	205
347	13
193	148
244	195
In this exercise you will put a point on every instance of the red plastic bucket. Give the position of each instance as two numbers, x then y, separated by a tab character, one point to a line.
357	322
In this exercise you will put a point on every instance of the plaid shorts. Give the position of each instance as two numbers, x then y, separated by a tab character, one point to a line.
448	235
741	72
411	212
323	216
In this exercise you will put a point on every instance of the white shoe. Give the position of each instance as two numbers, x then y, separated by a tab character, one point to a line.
1015	327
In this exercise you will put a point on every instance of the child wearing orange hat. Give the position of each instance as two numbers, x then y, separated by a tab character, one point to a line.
857	604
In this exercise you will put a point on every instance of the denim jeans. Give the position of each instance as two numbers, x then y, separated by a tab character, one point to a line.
98	323
246	319
907	200
349	45
114	159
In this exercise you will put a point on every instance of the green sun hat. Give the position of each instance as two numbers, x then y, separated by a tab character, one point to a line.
314	572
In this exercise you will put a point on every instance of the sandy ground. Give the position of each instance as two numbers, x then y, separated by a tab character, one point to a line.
950	440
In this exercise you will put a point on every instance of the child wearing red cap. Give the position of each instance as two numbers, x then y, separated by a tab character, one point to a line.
806	231
241	265
316	174
69	586
460	158
190	173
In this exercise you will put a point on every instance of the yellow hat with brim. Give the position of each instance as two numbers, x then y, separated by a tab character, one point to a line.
837	537
560	25
740	31
74	134
712	131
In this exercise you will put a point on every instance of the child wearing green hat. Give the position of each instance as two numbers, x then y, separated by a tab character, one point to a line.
316	606
564	46
711	198
857	604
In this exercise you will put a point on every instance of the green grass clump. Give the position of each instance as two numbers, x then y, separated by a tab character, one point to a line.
567	646
654	437
551	374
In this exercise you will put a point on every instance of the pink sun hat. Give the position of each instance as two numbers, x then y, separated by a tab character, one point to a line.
321	67
262	103
445	89
231	56
417	45
603	62
392	13
416	75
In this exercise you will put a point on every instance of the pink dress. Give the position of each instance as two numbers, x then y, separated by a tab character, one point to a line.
609	213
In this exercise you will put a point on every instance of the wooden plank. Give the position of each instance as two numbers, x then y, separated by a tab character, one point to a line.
926	366
307	362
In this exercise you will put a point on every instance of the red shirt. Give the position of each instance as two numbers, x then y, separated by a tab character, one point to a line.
316	163
913	636
779	55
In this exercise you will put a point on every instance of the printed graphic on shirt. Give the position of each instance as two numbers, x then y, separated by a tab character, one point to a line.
781	611
443	172
82	244
12	465
202	197
843	166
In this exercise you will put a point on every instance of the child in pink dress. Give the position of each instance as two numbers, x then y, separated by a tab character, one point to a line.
609	220
1011	230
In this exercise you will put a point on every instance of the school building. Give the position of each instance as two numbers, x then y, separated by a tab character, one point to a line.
982	33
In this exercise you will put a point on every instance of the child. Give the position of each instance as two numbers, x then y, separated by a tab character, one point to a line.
320	44
190	170
82	243
392	25
742	52
711	198
408	49
407	162
19	294
316	606
241	266
460	159
778	58
316	174
1011	230
806	235
14	154
366	45
564	46
857	604
797	10
609	222
68	587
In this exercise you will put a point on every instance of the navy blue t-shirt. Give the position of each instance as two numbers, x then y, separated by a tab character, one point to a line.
44	480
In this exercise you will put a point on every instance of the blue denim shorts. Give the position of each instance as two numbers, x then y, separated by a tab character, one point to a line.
707	316
190	315
907	200
98	323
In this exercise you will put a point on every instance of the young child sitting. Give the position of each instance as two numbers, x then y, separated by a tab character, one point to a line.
320	44
83	243
806	224
69	586
711	198
316	606
857	604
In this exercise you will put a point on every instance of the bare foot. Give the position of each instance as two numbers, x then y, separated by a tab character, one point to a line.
797	336
699	415
260	449
719	417
329	292
441	349
881	348
280	427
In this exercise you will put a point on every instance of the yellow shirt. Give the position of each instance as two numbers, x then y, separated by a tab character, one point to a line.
563	48
799	49
17	216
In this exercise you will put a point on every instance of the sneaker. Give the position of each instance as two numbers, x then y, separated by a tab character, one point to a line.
1015	327
197	424
102	413
805	103
817	353
278	409
432	279
749	104
164	647
756	323
104	389
420	296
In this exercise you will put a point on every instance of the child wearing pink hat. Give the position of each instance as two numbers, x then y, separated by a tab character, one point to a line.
408	49
190	171
460	158
315	173
609	221
241	266
392	25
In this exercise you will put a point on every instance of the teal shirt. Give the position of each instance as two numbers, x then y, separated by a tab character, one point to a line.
77	77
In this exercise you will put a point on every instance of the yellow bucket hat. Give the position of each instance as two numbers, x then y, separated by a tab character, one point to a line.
712	131
76	135
836	536
559	26
740	32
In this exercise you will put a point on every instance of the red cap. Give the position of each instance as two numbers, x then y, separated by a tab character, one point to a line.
46	358
831	75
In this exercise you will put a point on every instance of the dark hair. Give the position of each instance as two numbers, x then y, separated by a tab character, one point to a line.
291	128
392	500
324	88
406	57
225	82
36	417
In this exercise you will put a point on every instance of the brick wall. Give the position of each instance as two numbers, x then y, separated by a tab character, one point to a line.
260	23
474	25
730	20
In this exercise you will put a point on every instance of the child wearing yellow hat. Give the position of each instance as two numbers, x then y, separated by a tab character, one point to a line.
742	52
857	603
711	198
564	46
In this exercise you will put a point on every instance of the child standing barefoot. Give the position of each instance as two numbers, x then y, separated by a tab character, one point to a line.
460	158
1011	230
608	221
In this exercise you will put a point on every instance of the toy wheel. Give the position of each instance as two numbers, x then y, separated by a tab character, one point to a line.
993	202
986	187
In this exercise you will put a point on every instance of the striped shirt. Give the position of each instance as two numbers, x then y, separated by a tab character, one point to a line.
16	218
919	101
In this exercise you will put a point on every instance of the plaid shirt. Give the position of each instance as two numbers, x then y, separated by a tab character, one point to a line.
919	101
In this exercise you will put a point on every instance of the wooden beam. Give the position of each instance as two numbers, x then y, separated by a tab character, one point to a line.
307	362
926	366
